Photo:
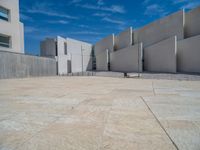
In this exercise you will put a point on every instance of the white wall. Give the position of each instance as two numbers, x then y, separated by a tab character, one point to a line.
161	29
127	60
81	55
189	55
162	56
13	27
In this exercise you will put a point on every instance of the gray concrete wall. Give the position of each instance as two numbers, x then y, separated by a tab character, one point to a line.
13	65
48	48
124	39
189	55
101	48
127	60
102	61
192	23
162	56
161	29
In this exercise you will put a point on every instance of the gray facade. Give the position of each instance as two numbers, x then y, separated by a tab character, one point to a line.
170	45
13	65
161	57
189	55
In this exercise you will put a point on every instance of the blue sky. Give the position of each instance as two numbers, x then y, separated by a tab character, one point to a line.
90	20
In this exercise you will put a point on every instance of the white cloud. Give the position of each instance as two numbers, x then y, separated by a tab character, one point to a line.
29	29
45	9
101	14
113	8
86	33
119	22
25	17
58	22
186	4
155	9
191	5
100	2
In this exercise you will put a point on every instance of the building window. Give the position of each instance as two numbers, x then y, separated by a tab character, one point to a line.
4	14
5	41
65	48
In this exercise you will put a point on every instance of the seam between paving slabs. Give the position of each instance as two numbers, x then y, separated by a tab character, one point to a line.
45	127
160	124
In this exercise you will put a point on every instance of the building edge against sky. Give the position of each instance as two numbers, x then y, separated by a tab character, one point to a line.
11	29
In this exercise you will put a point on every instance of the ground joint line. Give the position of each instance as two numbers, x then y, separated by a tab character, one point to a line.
160	124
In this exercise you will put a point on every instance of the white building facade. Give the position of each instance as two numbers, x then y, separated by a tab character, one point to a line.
11	29
72	55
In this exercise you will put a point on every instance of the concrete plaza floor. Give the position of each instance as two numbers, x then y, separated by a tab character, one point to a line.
94	113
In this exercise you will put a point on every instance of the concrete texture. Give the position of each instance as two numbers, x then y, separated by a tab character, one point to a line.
124	39
161	57
110	114
13	28
48	48
127	60
13	65
192	23
161	29
80	53
188	55
63	65
102	48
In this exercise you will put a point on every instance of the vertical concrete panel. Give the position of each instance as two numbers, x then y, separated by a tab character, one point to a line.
124	39
161	57
192	23
62	65
127	60
161	29
189	55
48	48
106	44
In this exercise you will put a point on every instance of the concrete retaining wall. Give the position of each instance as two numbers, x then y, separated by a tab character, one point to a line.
124	39
192	23
127	60
161	57
101	52
189	55
160	30
102	61
13	65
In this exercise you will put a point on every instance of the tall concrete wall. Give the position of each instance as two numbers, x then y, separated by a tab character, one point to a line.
192	23
127	60
161	57
48	48
102	61
13	65
189	55
101	48
161	29
124	39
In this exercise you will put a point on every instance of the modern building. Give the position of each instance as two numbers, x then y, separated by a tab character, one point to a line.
11	29
72	55
168	45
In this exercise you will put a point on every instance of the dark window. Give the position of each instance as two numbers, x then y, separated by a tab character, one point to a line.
4	41
4	14
65	47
